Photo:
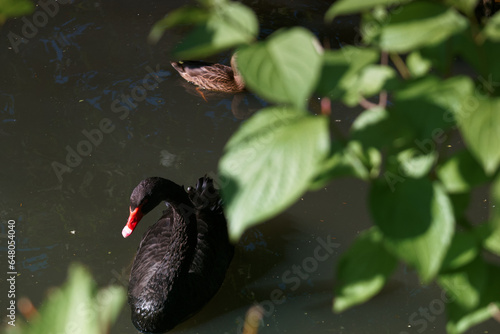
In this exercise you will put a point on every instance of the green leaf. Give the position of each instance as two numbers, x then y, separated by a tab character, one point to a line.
341	162
429	105
479	122
418	65
460	203
463	250
371	81
460	316
284	68
380	128
466	6
465	284
269	162
342	72
77	305
492	241
416	219
363	270
419	24
228	25
181	16
492	28
413	163
15	8
344	7
461	172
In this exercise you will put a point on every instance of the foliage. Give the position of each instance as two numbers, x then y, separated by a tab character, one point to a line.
76	307
15	8
419	184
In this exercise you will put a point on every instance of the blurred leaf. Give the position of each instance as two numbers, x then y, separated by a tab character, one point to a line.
379	128
340	162
465	284
229	24
269	162
344	7
478	122
460	203
418	24
461	172
181	16
418	65
416	219
427	105
284	68
466	6
492	28
371	81
77	306
492	239
358	283
15	8
342	71
414	163
460	317
463	249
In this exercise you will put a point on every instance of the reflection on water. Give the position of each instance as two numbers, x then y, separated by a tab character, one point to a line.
88	109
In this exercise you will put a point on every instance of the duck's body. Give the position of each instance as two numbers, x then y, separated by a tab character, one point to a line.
215	77
182	259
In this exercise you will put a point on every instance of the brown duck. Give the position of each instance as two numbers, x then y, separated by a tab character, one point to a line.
214	77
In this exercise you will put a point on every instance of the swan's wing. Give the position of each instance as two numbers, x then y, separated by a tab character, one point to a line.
149	253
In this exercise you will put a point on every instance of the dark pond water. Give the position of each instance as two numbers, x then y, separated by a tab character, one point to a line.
57	94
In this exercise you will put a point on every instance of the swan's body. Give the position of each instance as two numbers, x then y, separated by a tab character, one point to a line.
182	259
215	77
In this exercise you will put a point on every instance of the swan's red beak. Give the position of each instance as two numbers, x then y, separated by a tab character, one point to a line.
133	219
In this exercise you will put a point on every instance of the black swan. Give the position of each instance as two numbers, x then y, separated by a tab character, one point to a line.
182	259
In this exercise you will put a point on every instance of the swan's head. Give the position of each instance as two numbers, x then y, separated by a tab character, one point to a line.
145	197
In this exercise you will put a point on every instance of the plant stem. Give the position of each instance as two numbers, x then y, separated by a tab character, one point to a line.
400	66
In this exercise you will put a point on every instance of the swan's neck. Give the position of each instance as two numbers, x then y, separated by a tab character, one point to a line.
180	251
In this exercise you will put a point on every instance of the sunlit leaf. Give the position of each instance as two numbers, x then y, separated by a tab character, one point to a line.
419	24
77	305
461	317
413	163
418	65
416	219
371	81
357	283
492	28
269	162
229	25
344	7
466	6
463	249
342	71
479	122
465	284
284	68
461	172
339	163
